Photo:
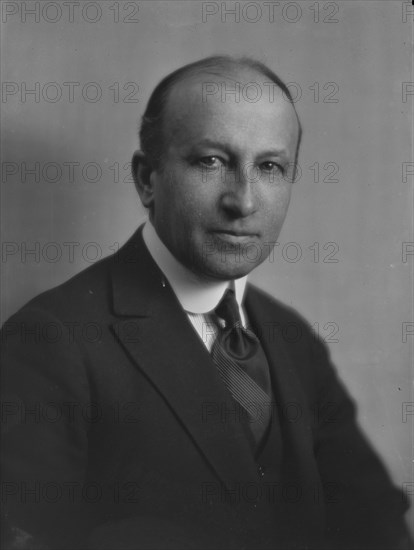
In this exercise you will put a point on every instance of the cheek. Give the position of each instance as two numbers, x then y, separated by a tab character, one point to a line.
178	188
276	206
169	197
195	204
182	210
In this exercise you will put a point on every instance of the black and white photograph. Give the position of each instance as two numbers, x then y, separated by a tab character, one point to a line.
207	252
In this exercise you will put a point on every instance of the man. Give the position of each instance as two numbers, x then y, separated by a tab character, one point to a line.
187	421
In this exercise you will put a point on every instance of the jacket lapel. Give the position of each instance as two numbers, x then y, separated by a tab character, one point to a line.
169	351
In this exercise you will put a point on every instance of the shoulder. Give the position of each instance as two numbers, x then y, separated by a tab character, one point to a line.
88	290
288	332
273	308
88	294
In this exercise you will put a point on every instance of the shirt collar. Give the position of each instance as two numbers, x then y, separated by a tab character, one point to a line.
194	294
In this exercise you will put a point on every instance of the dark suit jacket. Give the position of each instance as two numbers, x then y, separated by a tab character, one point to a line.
118	432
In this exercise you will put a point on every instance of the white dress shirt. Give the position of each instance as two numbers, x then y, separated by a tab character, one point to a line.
198	297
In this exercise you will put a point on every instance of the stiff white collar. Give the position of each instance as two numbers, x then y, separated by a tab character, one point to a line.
194	294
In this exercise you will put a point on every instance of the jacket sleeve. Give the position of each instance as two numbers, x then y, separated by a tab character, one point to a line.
364	509
44	432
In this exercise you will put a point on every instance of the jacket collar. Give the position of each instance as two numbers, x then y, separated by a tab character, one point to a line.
137	282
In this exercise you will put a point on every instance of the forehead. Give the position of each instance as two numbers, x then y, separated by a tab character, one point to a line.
241	107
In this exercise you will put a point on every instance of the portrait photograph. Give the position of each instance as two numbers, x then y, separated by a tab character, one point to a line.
207	251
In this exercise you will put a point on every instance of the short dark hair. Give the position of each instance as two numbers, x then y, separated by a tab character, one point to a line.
151	131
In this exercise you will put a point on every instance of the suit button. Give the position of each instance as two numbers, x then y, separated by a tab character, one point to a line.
260	471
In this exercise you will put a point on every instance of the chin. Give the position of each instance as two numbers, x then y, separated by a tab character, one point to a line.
226	271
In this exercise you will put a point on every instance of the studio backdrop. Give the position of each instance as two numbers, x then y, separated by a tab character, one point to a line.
75	80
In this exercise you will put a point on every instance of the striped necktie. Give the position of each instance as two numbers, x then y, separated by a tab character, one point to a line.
243	366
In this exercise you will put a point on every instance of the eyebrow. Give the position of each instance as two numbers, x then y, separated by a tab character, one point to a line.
226	147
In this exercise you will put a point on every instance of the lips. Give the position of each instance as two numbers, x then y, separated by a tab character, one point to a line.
235	237
235	233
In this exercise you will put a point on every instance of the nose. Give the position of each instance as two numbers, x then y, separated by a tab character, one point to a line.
238	199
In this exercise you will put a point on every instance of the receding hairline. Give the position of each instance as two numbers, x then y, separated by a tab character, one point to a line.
189	91
227	68
233	74
224	66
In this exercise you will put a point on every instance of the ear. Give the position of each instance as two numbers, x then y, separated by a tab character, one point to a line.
141	172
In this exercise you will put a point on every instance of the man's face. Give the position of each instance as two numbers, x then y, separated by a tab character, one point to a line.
222	193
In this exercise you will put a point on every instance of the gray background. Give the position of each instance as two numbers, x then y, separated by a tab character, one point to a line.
364	297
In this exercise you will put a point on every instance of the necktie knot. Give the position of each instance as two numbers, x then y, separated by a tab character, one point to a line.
228	309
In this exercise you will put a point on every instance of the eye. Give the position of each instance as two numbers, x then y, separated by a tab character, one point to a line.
210	161
270	166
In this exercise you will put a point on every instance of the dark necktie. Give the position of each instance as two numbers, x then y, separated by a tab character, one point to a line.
243	366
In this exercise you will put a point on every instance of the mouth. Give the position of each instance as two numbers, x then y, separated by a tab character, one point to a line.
238	237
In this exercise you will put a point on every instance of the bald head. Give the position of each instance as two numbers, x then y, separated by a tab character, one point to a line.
214	78
219	101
